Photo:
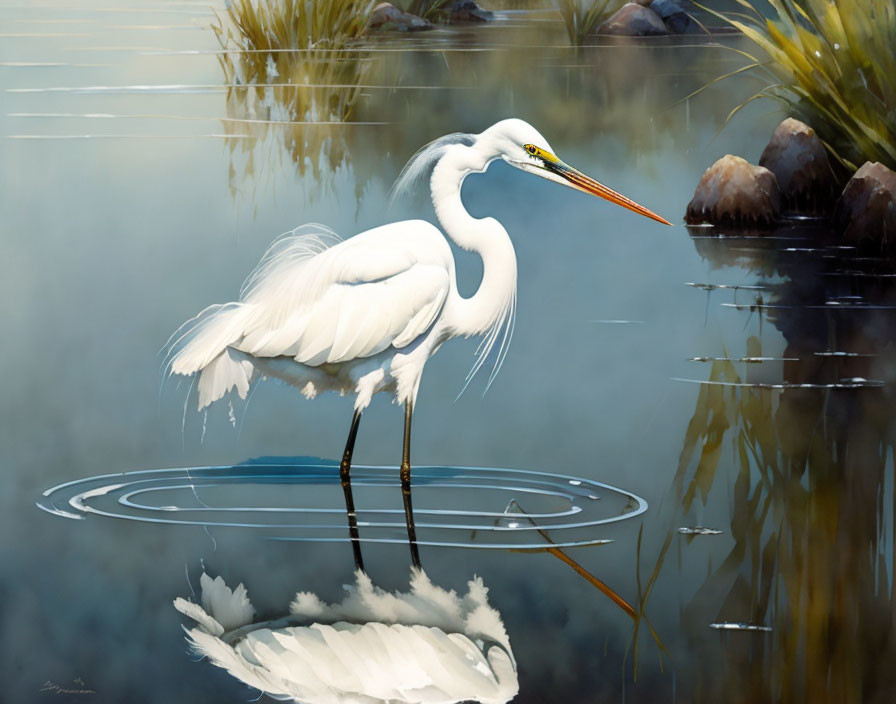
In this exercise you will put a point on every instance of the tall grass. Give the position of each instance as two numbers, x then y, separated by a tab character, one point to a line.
297	43
582	17
268	25
833	64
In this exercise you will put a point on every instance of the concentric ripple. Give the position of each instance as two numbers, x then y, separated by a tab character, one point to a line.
301	500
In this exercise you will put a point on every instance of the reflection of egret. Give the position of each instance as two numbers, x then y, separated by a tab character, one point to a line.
427	645
365	314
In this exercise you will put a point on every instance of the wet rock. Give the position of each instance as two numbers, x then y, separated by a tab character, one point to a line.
798	159
467	11
677	20
387	17
734	192
866	211
633	20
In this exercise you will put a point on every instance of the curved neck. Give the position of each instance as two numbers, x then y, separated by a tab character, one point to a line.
493	301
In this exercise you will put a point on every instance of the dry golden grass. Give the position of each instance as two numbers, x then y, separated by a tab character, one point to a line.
299	24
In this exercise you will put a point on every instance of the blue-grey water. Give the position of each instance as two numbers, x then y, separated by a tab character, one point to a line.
135	190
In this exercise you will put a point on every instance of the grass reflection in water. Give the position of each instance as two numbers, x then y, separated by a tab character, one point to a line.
303	98
293	76
809	478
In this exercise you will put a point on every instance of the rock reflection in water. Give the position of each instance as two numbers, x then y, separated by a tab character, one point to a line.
425	645
810	485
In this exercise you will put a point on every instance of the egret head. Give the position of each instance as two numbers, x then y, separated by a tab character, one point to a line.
522	146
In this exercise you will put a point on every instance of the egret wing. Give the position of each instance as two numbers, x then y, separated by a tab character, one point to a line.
348	302
360	320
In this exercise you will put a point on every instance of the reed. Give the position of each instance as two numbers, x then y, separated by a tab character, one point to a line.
833	65
807	480
274	25
581	17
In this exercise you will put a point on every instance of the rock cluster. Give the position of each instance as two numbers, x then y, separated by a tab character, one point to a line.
795	177
650	19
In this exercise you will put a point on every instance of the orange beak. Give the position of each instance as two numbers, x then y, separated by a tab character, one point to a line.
586	184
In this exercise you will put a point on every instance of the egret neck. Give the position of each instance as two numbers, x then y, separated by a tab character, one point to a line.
494	298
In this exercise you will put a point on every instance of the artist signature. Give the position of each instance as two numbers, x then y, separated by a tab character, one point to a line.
77	687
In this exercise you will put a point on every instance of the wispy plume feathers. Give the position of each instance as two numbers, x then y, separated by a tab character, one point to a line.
425	158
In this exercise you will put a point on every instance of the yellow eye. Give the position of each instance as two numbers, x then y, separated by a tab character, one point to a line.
531	148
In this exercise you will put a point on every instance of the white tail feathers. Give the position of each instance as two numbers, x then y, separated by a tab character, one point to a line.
204	347
230	370
203	344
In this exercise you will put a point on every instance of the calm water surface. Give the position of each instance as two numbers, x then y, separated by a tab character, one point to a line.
141	179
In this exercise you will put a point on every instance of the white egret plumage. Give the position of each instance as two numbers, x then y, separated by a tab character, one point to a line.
363	315
424	646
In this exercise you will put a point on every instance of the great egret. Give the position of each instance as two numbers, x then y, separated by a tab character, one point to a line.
364	315
425	646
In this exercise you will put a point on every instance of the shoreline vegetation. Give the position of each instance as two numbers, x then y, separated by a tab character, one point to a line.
832	66
829	64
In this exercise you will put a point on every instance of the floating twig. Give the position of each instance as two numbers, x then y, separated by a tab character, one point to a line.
581	571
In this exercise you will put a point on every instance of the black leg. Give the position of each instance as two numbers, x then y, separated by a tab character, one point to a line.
406	484
345	468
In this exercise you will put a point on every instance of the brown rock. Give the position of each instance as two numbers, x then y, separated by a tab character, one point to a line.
734	192
866	211
798	159
386	16
633	20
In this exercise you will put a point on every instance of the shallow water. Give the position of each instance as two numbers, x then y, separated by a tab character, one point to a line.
136	188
